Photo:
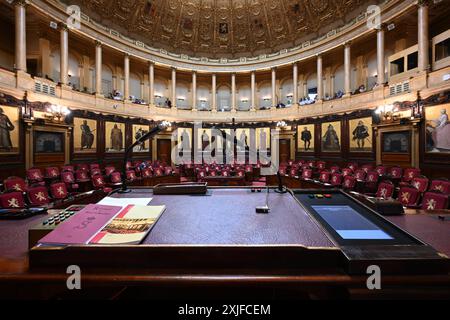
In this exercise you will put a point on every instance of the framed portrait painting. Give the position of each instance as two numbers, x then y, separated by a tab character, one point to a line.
331	136
84	135
437	129
138	132
9	130
360	133
114	136
305	140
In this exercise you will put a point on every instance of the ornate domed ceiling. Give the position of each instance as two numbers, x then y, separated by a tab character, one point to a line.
222	28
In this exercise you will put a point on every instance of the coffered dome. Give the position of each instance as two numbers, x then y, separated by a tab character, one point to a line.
222	28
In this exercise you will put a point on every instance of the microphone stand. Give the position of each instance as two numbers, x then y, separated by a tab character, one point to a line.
127	156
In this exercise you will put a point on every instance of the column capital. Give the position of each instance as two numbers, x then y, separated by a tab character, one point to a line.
126	55
22	3
347	44
63	27
423	3
98	43
381	27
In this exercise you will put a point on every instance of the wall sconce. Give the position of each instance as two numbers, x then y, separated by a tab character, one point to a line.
158	96
244	100
267	98
180	99
58	112
281	124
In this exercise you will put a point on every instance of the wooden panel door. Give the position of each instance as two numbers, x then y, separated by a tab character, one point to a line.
285	150
164	151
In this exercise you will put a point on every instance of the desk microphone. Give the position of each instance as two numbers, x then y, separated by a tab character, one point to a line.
127	156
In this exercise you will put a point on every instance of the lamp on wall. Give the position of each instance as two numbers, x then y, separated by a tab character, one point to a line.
57	112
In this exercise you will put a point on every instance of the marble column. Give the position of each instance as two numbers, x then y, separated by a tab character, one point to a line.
126	71
151	79
233	92
253	86
214	93
194	91
319	78
64	57
174	88
347	70
295	84
423	37
380	57
98	68
21	41
274	87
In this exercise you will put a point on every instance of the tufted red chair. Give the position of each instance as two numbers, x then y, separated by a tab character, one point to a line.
12	200
109	170
335	169
59	191
68	168
98	182
434	201
81	175
385	190
93	166
408	196
325	177
381	170
147	173
360	175
131	175
158	172
115	177
225	173
240	173
395	172
370	185
307	174
321	165
311	163
68	178
168	171
15	184
201	176
441	186
349	182
95	172
38	196
409	174
52	173
83	166
34	176
213	173
346	172
367	167
336	179
353	166
293	172
282	171
420	183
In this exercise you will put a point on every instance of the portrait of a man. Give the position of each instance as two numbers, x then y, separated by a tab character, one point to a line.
360	132
9	129
84	135
115	137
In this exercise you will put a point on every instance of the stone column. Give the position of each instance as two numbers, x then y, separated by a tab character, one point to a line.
98	68
21	40
347	70
194	91
233	92
253	86
319	77
380	56
423	39
64	57
151	77
214	93
126	76
174	88
295	84
274	87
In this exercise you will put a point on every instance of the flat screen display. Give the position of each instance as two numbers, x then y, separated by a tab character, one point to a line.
349	224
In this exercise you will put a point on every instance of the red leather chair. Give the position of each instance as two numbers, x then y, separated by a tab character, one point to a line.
335	169
12	200
367	167
146	173
157	172
385	190
69	179
115	178
168	171
408	196
201	175
293	172
52	173
325	177
35	177
15	184
381	170
336	179
321	165
370	185
434	201
409	174
81	176
109	170
346	172
395	172
440	185
307	174
59	191
99	183
38	196
83	166
360	175
349	183
131	175
420	183
353	166
68	168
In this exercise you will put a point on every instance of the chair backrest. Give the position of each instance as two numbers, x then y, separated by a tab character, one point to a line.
68	168
158	172
395	172
96	172
441	186
349	182
38	196
434	201
335	169
98	181
12	200
168	171
147	173
420	183
81	174
15	184
408	196
385	190
58	190
360	175
324	177
346	172
293	172
35	174
336	179
241	173
131	175
353	166
109	170
410	173
115	177
307	173
83	166
94	166
381	170
372	176
320	165
367	167
225	173
52	172
67	177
